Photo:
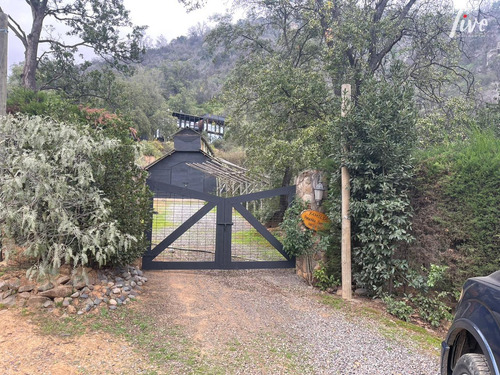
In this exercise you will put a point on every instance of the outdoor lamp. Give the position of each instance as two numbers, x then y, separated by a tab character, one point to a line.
318	192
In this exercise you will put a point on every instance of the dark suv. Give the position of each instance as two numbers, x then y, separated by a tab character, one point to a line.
472	346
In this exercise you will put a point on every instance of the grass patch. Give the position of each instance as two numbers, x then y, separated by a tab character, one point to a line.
233	345
168	347
160	222
332	301
249	237
389	327
69	326
398	330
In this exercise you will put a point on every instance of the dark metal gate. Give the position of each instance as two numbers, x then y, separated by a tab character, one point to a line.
195	230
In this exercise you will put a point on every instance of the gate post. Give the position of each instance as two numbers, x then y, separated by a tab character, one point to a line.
311	189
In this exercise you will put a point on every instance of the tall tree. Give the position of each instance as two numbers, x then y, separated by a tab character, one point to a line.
384	49
276	97
96	24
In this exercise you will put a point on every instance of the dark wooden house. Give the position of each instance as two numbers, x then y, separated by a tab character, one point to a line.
189	147
212	124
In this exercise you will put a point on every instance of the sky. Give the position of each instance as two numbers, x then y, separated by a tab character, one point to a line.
163	17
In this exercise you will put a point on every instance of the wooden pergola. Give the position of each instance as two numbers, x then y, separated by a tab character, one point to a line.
232	180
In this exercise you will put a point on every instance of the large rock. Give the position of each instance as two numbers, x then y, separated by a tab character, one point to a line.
60	291
9	301
63	279
3	286
79	284
14	283
26	288
37	301
7	293
45	287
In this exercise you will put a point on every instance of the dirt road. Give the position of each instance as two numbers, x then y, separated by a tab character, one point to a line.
271	322
217	322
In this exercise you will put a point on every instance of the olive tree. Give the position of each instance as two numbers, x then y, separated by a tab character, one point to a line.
95	24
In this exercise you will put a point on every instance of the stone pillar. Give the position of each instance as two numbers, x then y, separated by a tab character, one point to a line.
306	182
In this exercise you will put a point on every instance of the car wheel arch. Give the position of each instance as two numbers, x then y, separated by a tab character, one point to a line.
463	336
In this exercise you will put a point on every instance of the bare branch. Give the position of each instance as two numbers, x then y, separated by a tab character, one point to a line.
16	28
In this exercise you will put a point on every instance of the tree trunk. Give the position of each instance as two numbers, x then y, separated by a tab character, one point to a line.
33	40
287	178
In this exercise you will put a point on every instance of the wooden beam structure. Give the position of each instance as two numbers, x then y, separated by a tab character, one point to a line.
232	179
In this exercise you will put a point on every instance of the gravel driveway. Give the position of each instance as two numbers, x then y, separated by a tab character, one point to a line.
271	322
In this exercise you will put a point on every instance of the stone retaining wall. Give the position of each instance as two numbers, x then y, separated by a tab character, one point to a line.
74	292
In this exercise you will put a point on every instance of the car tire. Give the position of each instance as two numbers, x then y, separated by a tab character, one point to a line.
472	364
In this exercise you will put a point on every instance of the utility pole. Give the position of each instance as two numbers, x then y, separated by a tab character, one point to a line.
346	192
4	29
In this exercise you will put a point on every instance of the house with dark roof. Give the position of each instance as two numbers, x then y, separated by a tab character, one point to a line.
172	168
212	124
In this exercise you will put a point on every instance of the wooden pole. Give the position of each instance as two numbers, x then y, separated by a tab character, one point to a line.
4	26
346	220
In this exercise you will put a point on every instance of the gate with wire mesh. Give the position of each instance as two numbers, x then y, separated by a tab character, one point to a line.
195	230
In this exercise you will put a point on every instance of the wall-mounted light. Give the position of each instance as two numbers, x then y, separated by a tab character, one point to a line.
319	190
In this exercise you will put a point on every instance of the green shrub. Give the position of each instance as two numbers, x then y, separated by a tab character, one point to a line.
298	240
42	103
123	183
436	275
464	180
432	310
152	148
116	174
399	309
50	202
380	133
323	280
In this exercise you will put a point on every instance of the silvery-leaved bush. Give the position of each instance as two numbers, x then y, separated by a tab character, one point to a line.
49	202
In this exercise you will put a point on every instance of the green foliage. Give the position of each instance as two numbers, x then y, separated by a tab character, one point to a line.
49	200
123	183
152	148
270	102
50	104
436	275
432	310
95	24
115	172
400	309
379	135
450	122
298	240
466	178
139	99
323	280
